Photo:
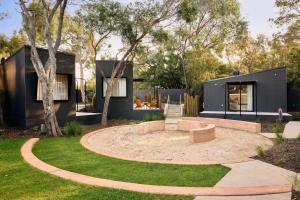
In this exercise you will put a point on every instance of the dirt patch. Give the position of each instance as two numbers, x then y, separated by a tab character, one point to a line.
268	126
285	155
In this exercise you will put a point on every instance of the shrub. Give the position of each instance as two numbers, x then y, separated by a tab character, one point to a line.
154	117
296	116
260	152
72	128
147	117
279	138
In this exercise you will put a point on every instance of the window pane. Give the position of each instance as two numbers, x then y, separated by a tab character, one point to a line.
240	98
60	91
119	89
234	97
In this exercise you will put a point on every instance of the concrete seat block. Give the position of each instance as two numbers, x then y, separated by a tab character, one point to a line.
204	134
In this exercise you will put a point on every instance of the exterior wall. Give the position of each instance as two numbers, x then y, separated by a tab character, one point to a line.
13	89
293	96
19	86
119	107
271	91
65	110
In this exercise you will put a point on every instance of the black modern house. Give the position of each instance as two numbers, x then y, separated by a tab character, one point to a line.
121	102
251	96
21	89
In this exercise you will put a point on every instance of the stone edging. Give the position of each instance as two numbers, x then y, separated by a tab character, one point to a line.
29	157
84	142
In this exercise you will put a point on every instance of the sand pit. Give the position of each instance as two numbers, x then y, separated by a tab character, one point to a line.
229	145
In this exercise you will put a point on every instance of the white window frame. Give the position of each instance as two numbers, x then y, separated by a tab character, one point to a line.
120	89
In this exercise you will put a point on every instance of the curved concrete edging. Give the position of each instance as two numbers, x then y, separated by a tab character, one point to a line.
84	142
29	157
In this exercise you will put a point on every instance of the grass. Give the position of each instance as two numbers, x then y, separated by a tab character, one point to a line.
19	181
68	154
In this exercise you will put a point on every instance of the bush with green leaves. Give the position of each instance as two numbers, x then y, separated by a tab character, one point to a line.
154	117
72	128
296	116
260	152
279	138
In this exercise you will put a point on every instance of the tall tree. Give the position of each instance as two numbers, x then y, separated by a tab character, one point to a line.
205	24
46	72
77	40
138	20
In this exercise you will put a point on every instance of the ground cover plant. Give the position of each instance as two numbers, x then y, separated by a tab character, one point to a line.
154	117
18	180
75	158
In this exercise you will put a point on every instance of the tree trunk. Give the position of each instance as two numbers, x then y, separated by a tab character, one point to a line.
82	84
106	102
49	111
1	112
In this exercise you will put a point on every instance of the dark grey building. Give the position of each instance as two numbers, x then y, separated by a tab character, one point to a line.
247	97
121	102
21	89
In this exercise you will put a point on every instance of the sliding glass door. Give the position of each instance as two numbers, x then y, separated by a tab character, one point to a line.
240	97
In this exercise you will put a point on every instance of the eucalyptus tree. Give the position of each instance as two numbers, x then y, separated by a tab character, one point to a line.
46	72
99	20
137	21
205	25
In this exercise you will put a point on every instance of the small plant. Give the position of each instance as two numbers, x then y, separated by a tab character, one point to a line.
279	162
154	117
35	129
279	138
260	152
296	116
298	137
296	183
72	128
278	127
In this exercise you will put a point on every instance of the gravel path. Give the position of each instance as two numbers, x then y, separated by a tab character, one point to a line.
229	145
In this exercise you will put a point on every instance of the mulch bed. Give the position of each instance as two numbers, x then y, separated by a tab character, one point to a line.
285	155
295	195
11	133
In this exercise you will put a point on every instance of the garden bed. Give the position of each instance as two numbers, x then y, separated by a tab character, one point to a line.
285	155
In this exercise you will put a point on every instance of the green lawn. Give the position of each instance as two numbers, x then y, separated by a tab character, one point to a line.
18	180
68	154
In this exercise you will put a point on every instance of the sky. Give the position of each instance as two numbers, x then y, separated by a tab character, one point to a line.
256	12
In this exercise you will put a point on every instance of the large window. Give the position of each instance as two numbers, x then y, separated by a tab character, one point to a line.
240	97
119	89
60	88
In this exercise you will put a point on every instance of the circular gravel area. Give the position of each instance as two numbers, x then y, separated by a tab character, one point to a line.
229	146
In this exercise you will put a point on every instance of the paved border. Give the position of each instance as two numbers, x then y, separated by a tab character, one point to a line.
29	157
84	142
